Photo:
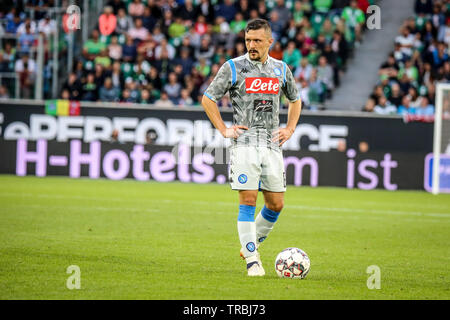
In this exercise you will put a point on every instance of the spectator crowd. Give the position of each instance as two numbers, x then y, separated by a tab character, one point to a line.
418	61
19	32
166	52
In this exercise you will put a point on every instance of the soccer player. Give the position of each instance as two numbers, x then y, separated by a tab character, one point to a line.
255	82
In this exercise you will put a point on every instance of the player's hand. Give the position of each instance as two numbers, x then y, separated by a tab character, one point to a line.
234	131
282	135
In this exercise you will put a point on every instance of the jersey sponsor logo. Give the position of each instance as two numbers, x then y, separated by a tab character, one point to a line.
262	85
263	105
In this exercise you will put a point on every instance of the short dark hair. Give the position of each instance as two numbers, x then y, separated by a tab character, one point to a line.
257	24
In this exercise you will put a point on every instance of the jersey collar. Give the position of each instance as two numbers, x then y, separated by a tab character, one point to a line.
257	63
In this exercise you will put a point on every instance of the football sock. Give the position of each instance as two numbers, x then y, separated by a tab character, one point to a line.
264	223
247	230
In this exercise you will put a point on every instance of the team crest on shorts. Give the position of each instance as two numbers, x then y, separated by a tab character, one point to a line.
242	178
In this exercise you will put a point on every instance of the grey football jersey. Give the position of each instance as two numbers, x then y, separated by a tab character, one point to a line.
255	91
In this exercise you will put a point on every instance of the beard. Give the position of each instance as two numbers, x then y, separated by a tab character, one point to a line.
254	55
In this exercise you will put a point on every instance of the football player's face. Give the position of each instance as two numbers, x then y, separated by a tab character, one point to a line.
258	43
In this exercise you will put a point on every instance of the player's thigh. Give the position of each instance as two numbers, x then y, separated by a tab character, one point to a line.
273	176
274	200
245	168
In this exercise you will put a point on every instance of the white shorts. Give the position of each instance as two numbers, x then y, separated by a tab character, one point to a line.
257	168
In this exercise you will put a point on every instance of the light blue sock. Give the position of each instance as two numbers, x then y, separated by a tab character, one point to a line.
247	230
264	223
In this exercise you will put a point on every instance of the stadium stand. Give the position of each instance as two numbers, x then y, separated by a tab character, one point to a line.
142	51
419	58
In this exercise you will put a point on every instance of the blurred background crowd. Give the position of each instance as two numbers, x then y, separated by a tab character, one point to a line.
166	52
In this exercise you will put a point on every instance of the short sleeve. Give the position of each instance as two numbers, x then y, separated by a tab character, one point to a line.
221	83
289	87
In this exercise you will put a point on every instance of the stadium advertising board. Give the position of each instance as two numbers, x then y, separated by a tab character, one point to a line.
168	145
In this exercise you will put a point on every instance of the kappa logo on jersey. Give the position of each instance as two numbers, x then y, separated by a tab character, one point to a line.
262	85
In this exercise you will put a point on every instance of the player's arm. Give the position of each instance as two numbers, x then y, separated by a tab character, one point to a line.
295	107
216	90
212	111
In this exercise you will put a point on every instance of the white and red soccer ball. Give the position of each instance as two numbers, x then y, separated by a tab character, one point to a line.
292	263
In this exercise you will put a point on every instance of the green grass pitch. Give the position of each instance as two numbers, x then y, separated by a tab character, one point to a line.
147	240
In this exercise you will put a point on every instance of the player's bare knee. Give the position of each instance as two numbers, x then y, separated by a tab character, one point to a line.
248	199
276	206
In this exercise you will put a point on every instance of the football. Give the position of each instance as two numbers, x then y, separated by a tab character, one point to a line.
292	263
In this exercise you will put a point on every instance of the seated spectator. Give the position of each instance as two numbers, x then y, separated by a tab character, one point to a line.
185	61
414	98
115	49
164	101
185	99
4	94
27	40
411	71
425	108
124	22
206	50
396	95
304	70
103	59
136	8
316	89
166	47
292	55
13	24
369	106
406	42
303	89
93	46
47	25
26	70
354	19
145	97
325	73
276	51
284	14
90	89
323	6
29	25
177	28
74	86
384	106
129	50
108	92
107	21
138	32
390	68
173	88
116	5
7	57
238	24
405	108
126	97
227	10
